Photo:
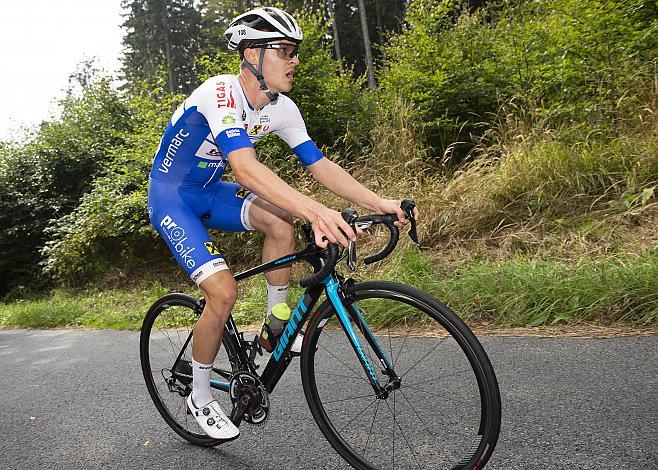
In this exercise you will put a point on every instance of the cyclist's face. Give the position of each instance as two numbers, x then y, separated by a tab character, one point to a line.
279	67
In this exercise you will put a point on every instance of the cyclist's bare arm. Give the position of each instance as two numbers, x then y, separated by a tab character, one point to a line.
263	182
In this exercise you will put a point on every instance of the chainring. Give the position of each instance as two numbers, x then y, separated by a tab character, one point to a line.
244	384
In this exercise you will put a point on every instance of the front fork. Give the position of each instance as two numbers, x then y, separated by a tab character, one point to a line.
338	299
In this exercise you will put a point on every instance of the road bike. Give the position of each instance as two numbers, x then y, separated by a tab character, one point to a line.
416	391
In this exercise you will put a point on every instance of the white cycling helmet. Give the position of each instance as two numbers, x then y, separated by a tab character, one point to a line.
262	25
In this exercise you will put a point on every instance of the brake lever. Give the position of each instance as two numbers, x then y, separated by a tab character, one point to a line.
407	207
351	255
350	216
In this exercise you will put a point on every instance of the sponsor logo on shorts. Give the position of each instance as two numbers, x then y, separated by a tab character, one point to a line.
176	236
212	248
232	133
217	265
242	193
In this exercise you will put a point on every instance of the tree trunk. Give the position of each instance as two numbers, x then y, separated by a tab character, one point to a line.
165	24
380	25
334	28
366	45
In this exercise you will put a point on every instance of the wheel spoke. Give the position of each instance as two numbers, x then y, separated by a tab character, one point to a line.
434	394
416	413
342	362
443	376
426	354
397	425
400	350
371	426
341	375
360	413
404	436
347	399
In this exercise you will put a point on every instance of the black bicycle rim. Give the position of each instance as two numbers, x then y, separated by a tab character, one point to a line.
165	331
446	413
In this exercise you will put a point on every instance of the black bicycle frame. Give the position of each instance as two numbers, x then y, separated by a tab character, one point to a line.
281	355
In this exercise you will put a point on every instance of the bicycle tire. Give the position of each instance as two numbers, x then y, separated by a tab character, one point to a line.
167	325
469	431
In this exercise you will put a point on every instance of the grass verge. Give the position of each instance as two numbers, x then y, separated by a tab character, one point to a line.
515	292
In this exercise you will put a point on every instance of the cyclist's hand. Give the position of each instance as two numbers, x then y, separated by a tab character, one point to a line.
329	223
392	206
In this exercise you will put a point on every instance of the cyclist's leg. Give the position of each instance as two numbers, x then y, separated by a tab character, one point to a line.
235	208
176	215
277	225
220	291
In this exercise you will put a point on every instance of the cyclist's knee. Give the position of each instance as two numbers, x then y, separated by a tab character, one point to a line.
220	292
280	226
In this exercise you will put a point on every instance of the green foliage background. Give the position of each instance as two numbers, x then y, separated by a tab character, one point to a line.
525	130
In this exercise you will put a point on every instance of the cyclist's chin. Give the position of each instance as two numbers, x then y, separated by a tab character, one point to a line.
285	86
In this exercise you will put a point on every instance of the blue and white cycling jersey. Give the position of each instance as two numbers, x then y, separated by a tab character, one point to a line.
186	194
217	119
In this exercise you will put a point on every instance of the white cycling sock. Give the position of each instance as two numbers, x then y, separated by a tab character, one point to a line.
201	394
276	295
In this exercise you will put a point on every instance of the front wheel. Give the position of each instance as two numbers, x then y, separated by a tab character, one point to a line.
445	414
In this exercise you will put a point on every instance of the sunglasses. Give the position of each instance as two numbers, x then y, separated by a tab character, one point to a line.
284	51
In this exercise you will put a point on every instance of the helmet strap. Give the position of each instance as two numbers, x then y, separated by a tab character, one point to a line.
259	76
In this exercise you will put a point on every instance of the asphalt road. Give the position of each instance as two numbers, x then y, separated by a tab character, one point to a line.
76	400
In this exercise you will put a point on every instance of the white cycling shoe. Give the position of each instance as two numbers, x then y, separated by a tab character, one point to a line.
213	420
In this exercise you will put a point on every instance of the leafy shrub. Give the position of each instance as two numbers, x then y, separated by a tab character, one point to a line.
571	59
110	226
44	177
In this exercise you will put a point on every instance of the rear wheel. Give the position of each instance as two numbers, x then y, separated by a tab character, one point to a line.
166	357
446	412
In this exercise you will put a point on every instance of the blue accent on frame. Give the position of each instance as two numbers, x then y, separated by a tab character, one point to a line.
223	386
363	321
332	292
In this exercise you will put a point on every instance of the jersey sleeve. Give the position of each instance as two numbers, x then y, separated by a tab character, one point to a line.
223	109
293	132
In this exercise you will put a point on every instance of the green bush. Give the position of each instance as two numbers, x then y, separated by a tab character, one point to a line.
530	292
544	179
43	178
110	226
570	60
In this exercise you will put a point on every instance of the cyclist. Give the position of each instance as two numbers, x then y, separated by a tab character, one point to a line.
218	125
